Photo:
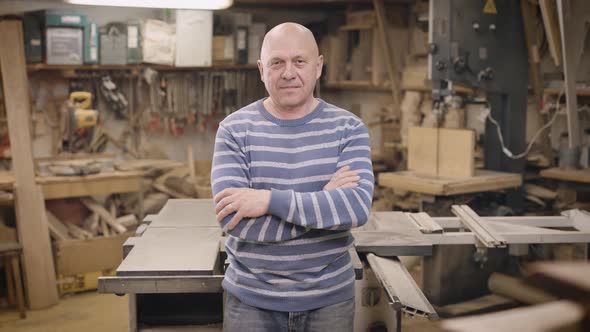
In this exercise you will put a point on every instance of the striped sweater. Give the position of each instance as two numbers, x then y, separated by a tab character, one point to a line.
296	257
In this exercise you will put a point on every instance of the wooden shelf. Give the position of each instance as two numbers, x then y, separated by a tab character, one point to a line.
579	91
367	86
44	67
355	85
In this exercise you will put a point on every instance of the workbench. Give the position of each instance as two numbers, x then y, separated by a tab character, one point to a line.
173	268
437	193
573	175
84	185
483	180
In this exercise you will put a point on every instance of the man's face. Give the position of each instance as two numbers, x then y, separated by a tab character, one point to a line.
289	68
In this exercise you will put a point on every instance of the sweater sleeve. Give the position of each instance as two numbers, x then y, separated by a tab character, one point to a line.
336	209
230	169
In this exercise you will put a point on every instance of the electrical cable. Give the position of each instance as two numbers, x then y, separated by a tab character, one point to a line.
509	153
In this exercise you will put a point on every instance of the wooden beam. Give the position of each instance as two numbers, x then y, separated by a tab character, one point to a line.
534	64
576	13
30	207
392	67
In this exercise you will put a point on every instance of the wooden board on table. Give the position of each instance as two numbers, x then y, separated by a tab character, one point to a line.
440	151
575	175
483	180
33	231
422	150
456	153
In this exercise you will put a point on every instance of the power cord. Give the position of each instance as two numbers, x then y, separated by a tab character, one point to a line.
509	153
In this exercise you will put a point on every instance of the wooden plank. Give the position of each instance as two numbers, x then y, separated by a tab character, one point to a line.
104	214
549	14
575	175
440	151
573	34
56	228
30	208
422	150
483	180
567	280
456	153
528	20
392	66
90	185
554	316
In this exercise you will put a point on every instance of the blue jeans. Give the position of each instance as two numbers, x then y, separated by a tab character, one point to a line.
240	317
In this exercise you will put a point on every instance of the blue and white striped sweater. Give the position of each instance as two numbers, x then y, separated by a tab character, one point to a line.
295	258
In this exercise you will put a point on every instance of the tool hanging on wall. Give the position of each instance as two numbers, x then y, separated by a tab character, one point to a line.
114	97
80	121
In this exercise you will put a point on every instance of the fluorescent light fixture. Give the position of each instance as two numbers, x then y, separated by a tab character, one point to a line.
176	4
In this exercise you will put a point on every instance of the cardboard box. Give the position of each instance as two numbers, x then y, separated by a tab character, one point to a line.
92	255
194	31
80	282
159	42
223	49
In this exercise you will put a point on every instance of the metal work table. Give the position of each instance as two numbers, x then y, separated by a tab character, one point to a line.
172	270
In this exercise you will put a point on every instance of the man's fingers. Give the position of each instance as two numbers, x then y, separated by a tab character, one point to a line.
222	194
343	169
226	211
234	221
223	203
354	178
349	185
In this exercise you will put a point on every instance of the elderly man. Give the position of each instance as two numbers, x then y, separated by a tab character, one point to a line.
291	176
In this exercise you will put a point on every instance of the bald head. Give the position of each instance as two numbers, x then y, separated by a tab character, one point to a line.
290	65
289	33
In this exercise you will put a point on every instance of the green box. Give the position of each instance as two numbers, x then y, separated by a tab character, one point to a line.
64	18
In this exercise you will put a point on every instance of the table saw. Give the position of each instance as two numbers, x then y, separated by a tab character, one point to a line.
173	268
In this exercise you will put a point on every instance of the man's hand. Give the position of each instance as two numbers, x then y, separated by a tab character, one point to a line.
245	202
343	178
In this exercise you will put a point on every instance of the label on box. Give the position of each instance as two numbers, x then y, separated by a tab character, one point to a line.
132	37
93	54
70	19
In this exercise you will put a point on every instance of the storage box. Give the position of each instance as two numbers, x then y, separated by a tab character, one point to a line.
33	34
91	46
223	49
159	42
113	44
91	255
134	52
194	31
255	36
64	18
80	282
64	46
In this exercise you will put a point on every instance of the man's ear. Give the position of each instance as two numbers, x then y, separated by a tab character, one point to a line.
261	70
319	67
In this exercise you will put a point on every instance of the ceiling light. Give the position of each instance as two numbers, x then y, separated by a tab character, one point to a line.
177	4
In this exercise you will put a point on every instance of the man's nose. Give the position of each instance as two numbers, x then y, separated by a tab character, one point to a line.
289	72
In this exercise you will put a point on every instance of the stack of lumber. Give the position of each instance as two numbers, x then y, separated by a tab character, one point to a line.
86	219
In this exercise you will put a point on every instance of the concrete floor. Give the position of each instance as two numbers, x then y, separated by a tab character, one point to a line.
84	312
93	312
